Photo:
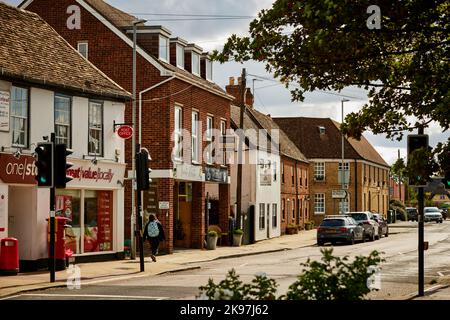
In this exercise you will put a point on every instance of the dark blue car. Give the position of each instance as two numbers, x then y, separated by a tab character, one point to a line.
339	229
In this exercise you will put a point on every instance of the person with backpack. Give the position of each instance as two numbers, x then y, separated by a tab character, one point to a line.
154	232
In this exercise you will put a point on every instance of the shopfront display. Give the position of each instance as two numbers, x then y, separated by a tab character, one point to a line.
68	205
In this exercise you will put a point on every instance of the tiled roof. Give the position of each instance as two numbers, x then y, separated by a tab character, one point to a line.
305	133
117	17
287	147
249	124
123	20
32	51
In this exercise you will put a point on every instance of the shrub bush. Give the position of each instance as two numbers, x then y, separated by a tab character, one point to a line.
332	278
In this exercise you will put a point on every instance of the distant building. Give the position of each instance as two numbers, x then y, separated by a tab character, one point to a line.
436	192
365	175
397	191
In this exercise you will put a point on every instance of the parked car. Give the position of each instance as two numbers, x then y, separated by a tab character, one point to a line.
432	214
371	227
412	213
339	228
383	225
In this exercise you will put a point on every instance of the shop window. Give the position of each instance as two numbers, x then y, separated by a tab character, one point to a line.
68	205
98	231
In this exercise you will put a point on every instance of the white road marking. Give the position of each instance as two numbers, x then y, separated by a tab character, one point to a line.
440	274
89	296
433	288
243	265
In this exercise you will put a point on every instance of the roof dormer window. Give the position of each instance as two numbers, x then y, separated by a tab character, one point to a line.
180	56
196	63
209	69
163	48
321	129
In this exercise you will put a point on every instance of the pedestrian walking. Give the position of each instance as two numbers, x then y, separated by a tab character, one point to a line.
154	232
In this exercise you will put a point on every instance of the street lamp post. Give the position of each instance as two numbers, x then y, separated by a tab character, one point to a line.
342	153
133	146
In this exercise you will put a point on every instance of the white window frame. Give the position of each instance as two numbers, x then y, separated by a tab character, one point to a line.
96	126
20	117
194	137
274	215
180	56
68	125
319	203
209	139
84	53
195	56
262	216
209	70
161	48
223	132
178	138
319	171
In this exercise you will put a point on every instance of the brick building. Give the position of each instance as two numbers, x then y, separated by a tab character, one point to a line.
175	91
365	174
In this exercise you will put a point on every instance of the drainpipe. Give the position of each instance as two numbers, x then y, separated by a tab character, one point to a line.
297	220
356	185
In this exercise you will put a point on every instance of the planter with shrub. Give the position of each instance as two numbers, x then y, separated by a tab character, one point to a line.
211	242
237	237
309	225
291	229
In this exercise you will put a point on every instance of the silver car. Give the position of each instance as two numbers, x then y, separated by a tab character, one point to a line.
432	214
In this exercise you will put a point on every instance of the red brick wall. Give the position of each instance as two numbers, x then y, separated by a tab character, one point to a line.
296	190
198	215
114	57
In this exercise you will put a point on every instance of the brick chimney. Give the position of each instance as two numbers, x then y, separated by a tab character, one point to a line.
153	39
233	89
177	47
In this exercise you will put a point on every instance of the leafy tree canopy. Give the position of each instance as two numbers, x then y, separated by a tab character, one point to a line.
328	45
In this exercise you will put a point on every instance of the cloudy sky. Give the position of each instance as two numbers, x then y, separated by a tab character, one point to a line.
271	98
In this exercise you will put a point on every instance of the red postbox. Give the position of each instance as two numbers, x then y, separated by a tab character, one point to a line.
9	256
60	245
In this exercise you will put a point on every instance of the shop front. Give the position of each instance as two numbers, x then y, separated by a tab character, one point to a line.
93	203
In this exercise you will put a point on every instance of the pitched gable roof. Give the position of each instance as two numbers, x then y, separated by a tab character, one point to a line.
34	52
305	133
287	147
119	21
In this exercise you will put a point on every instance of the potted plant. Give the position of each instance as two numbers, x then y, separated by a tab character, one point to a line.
237	237
211	243
291	229
309	225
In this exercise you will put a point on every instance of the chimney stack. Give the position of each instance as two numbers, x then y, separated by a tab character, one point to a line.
233	89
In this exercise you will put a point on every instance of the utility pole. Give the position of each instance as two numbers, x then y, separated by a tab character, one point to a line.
420	198
342	155
242	89
133	147
52	260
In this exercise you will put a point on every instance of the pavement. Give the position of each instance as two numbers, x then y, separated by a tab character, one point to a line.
181	260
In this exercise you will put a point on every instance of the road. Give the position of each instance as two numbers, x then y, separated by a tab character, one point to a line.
398	274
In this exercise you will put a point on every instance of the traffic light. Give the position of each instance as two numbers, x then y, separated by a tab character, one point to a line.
44	164
142	170
61	165
415	142
446	180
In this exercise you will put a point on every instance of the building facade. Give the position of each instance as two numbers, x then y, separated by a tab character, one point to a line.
359	184
180	106
58	92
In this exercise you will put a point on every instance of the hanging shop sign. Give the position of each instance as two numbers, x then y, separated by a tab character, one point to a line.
125	132
216	175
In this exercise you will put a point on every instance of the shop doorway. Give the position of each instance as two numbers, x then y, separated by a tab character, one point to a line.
249	226
183	215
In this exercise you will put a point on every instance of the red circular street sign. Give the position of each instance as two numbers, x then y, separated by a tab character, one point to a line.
125	132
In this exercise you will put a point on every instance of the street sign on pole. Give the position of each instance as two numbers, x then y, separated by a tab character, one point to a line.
339	194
